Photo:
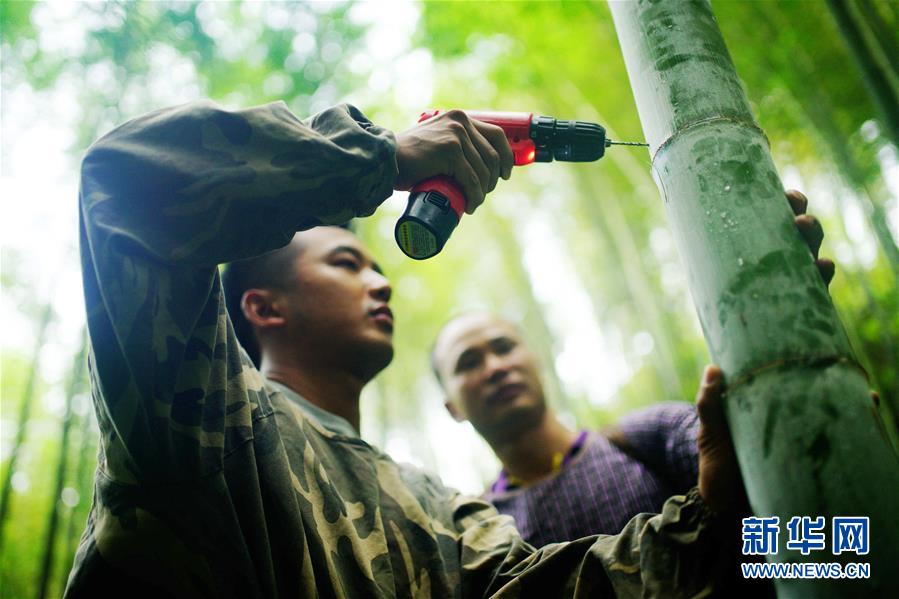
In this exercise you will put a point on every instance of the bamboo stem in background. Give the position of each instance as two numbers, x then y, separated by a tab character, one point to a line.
76	382
24	413
636	277
608	216
877	68
83	485
539	333
884	36
818	110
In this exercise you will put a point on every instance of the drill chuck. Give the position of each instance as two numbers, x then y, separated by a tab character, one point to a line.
567	141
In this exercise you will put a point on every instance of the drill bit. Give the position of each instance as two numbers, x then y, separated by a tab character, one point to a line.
609	142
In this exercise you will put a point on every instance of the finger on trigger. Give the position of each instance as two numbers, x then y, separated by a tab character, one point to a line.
798	201
497	139
475	162
488	155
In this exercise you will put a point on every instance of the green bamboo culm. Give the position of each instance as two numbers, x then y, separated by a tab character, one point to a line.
860	24
25	407
807	435
76	382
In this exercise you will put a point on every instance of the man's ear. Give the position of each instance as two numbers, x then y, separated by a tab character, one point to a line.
260	308
454	410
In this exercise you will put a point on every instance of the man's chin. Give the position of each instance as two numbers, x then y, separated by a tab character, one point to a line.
511	421
374	355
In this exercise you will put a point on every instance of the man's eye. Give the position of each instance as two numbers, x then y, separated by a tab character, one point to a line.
347	263
465	365
503	346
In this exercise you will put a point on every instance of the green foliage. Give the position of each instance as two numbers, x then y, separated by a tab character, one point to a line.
24	526
15	19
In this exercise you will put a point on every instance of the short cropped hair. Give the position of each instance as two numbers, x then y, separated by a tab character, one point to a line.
268	271
273	270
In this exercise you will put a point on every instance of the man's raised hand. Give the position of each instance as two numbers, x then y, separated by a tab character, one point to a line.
473	153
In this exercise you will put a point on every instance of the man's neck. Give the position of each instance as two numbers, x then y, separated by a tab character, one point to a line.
334	391
531	455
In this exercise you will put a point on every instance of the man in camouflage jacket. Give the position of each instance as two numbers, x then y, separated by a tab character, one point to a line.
216	481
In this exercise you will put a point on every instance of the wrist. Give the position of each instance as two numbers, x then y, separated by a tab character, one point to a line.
402	180
705	513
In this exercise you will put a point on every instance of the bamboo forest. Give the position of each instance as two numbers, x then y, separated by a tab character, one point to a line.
626	275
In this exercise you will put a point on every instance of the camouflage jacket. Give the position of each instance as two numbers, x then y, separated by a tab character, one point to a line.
213	482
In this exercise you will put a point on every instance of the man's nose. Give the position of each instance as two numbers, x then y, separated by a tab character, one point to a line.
495	367
379	287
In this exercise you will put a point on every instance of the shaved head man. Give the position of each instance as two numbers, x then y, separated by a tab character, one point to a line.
500	403
558	483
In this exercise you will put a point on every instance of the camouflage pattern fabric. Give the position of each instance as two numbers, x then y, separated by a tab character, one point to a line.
213	482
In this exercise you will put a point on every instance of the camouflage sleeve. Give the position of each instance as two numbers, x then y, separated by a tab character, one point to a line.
664	437
166	197
672	554
196	184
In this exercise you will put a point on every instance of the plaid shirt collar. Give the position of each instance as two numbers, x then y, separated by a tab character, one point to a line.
507	482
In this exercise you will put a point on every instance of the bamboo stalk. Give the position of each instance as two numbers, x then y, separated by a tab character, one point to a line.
24	413
83	486
638	286
609	217
883	34
598	279
818	110
538	330
881	80
806	434
76	381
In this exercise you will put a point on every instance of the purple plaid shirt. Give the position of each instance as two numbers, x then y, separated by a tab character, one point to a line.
602	486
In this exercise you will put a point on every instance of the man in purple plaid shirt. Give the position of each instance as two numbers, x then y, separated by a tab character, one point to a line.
559	484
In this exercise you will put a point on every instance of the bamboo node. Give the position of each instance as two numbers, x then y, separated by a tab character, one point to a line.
807	361
712	119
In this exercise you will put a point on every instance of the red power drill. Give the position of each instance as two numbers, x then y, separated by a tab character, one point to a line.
436	204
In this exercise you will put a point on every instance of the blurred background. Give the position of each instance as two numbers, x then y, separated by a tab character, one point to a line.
579	254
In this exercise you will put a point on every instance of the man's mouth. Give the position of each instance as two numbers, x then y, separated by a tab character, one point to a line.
383	316
506	393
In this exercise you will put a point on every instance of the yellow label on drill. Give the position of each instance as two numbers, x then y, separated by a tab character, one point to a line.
417	241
